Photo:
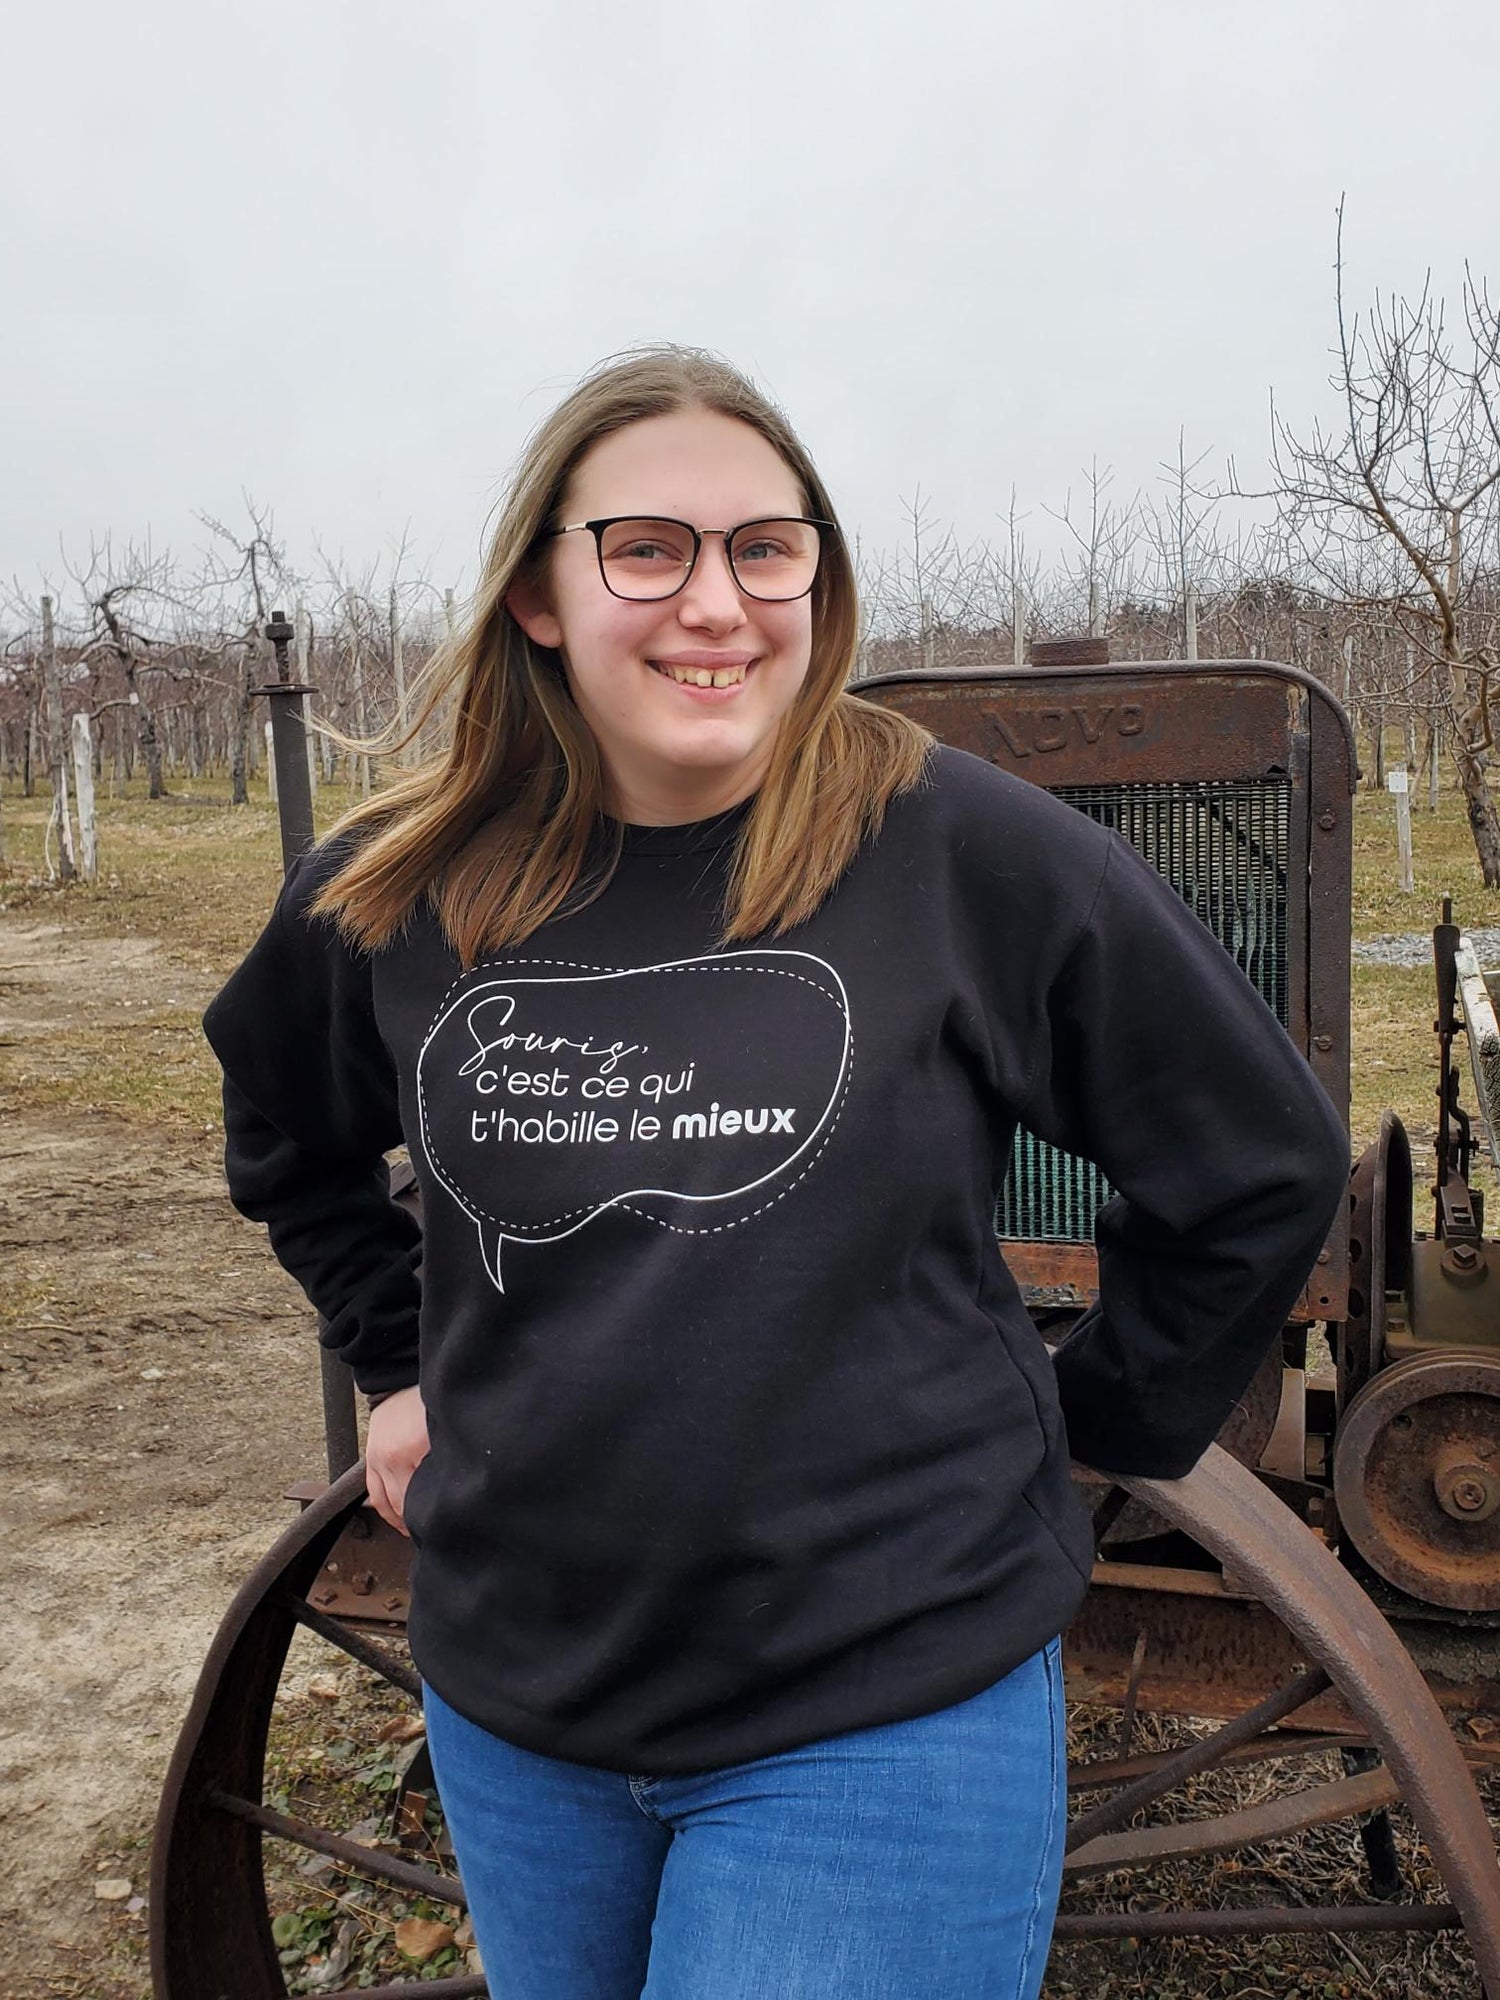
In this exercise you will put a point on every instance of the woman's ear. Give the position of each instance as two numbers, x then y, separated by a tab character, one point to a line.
526	601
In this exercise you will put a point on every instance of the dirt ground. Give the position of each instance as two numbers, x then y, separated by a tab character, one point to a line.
158	1391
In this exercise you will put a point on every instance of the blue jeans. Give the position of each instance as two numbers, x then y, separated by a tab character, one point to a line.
914	1861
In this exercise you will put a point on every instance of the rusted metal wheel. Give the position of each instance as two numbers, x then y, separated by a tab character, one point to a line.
211	1934
1344	1666
210	1928
1416	1470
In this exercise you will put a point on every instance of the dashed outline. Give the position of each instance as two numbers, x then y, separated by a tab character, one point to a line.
729	962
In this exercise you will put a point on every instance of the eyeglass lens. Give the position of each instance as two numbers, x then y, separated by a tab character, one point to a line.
770	559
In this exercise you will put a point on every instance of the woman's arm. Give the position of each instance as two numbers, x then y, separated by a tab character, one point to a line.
1161	1062
310	1109
332	1224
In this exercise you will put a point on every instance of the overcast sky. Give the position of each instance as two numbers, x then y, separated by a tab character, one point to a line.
344	256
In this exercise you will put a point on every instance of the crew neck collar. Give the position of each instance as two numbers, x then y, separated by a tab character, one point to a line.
698	836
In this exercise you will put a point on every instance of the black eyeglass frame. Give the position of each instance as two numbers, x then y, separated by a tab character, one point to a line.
596	529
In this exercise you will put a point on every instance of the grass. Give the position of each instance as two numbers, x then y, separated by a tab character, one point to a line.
193	873
1392	1008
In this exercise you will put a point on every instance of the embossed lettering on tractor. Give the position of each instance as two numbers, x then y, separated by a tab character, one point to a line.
1030	732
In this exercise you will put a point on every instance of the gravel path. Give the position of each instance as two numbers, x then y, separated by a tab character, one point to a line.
1415	948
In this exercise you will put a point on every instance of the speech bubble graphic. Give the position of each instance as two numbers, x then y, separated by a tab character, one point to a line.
692	1094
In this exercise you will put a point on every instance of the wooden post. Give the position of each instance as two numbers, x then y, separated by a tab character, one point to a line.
1018	625
270	766
57	745
398	670
1190	621
1396	784
83	780
1346	674
1483	1037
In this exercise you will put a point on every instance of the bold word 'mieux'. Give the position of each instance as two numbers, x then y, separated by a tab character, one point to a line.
583	1128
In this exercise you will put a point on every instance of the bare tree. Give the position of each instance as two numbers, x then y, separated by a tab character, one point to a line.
127	602
1396	510
240	568
1182	531
1099	561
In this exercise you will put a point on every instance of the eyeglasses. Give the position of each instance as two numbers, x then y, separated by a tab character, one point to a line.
643	558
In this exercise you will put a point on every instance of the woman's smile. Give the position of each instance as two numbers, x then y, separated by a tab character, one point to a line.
706	672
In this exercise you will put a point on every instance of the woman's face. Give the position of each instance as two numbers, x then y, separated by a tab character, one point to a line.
672	750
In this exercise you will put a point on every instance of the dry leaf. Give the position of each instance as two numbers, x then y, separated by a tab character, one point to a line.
401	1729
422	1939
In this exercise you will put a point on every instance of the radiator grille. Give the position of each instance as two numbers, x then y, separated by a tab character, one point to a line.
1223	848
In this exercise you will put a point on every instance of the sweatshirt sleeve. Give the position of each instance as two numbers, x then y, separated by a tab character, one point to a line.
1160	1062
310	1110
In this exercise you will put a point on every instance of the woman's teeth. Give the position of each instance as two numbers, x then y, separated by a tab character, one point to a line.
702	677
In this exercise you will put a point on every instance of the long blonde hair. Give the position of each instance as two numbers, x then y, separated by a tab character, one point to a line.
499	831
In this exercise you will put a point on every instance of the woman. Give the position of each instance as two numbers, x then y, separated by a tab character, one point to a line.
708	999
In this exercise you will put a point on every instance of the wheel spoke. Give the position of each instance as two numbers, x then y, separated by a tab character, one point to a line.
1314	1807
1108	1772
1195	1757
472	1984
1265	1922
358	1860
368	1654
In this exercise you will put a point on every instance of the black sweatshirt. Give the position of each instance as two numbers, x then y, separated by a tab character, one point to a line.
741	1435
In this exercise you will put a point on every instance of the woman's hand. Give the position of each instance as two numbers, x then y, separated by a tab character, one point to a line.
394	1447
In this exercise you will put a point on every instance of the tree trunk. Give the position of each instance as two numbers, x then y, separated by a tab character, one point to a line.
1484	823
145	723
362	715
398	673
239	746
